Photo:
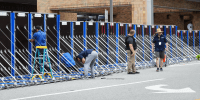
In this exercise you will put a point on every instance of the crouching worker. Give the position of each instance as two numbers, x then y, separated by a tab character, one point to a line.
67	59
88	58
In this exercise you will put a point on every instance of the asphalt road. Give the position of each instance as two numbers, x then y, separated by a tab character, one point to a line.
176	82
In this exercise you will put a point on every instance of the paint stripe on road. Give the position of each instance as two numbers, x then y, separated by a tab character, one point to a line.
177	65
88	89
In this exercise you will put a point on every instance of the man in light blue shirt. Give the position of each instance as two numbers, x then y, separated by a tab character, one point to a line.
40	40
39	37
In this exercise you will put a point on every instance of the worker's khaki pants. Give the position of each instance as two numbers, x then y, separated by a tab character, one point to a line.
131	62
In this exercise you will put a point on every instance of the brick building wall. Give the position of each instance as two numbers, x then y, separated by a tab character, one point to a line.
178	4
45	5
172	19
124	15
176	13
176	19
196	21
68	16
179	19
135	13
121	14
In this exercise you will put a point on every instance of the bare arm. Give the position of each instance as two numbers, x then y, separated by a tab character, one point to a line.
31	40
153	47
131	48
167	46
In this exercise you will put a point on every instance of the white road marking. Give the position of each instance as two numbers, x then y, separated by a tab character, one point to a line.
176	65
165	90
89	89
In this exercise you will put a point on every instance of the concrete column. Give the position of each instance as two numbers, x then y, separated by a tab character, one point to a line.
111	10
150	13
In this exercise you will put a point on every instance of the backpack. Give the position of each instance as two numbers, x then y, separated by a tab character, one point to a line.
67	60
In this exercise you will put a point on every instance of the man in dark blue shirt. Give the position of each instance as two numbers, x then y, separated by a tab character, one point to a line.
88	58
131	48
159	42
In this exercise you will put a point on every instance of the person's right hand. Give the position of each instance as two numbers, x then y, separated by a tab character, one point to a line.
152	50
83	62
133	53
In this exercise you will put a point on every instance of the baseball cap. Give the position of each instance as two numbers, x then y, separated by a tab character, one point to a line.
37	27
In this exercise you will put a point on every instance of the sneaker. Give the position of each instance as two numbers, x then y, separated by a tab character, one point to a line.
84	78
131	73
161	69
92	77
157	70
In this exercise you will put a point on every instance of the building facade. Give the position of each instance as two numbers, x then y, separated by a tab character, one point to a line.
166	12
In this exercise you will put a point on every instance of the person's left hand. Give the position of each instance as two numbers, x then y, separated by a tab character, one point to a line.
166	49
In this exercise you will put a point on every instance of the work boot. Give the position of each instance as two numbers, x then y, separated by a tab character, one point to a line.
136	72
130	73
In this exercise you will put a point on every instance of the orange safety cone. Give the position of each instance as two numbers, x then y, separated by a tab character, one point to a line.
164	59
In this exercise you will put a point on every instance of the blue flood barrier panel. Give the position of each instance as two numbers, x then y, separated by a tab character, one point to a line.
58	40
151	55
126	31
193	42
107	41
84	35
45	23
170	32
135	36
143	43
71	35
30	44
187	43
117	42
12	34
182	42
199	41
156	27
97	40
164	29
176	40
